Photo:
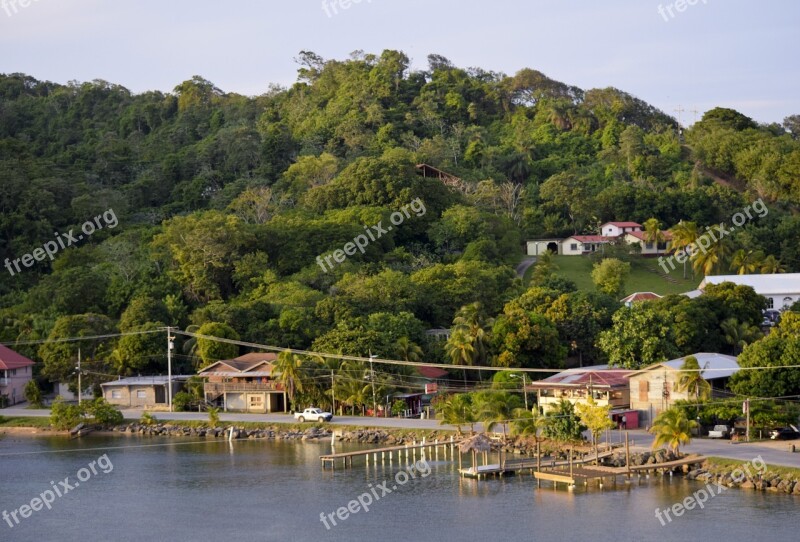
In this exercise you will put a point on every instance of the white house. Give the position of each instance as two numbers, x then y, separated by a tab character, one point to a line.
534	247
780	289
648	248
615	229
584	244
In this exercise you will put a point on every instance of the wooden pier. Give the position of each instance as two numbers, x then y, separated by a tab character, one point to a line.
407	452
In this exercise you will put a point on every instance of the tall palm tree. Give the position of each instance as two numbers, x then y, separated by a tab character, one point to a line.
739	334
652	231
771	264
691	379
459	349
684	234
745	262
527	423
492	408
408	350
672	428
288	370
712	258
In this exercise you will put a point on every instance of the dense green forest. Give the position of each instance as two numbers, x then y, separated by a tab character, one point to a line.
225	202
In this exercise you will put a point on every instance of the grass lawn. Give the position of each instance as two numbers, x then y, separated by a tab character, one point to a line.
642	278
25	421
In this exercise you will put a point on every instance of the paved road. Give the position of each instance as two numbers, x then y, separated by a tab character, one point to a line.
135	414
775	453
524	265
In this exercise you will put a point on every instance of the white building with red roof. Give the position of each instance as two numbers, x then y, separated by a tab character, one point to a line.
615	229
15	372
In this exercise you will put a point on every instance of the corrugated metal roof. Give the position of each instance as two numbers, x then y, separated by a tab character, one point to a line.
145	381
713	365
771	284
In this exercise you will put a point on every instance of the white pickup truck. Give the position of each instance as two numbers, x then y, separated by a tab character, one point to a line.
720	431
313	414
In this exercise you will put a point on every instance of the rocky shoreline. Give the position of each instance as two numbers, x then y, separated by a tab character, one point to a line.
762	480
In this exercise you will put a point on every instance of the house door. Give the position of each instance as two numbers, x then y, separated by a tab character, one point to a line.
161	394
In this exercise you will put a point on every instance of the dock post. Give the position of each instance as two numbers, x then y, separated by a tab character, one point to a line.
367	458
382	457
436	448
375	458
627	459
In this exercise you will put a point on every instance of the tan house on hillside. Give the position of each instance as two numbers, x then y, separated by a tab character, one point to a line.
141	391
15	372
244	384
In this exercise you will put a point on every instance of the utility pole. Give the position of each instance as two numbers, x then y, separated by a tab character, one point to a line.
372	380
170	346
679	111
747	427
333	395
525	391
79	375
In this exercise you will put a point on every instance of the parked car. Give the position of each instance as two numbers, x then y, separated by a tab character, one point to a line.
784	433
313	414
720	431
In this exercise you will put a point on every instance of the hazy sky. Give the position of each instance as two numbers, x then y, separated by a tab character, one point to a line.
732	53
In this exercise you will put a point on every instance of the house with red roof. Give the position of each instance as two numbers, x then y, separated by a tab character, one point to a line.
606	386
15	372
584	244
615	229
610	232
649	248
244	384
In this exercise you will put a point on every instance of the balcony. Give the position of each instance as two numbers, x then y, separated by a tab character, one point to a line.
217	388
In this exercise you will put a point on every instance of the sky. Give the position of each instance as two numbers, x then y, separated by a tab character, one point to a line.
691	55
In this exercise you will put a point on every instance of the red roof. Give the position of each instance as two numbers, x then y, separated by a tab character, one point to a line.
581	378
624	224
641	235
640	296
11	360
592	238
431	372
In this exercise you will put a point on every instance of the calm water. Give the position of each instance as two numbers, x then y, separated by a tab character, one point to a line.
261	490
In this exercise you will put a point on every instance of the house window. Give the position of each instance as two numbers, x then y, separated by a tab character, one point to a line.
256	401
573	246
787	301
141	394
770	303
116	394
643	389
648	246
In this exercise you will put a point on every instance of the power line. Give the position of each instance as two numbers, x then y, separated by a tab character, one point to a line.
85	338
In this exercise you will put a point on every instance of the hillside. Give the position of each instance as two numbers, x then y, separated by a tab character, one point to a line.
299	218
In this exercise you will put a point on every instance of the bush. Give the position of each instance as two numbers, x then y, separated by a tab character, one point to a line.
33	394
181	401
148	419
64	416
104	413
213	417
398	407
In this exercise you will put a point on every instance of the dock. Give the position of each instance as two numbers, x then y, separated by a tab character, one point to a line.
410	451
516	465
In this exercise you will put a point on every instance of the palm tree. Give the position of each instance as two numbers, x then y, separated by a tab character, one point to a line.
684	234
492	407
739	334
472	320
288	370
408	350
691	379
672	428
457	410
527	423
652	232
771	264
745	262
708	260
459	349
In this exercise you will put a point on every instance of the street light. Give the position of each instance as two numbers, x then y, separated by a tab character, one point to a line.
372	380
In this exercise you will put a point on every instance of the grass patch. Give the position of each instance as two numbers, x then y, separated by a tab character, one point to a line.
642	278
719	464
25	421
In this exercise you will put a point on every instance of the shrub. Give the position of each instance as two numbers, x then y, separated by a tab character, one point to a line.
33	394
213	417
148	419
104	413
64	416
181	401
